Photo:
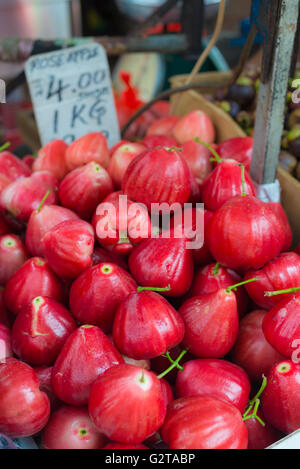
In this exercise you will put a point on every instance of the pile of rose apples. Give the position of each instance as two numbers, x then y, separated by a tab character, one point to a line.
115	333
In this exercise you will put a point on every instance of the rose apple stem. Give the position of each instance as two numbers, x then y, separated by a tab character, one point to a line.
243	180
216	268
256	397
234	287
254	414
280	292
217	157
158	289
4	146
174	148
43	200
175	364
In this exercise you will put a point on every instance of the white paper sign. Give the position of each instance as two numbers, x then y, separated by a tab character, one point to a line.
72	94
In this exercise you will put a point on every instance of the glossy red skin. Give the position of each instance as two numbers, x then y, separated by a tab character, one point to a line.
115	219
90	147
281	326
96	294
278	209
197	157
24	196
206	281
44	374
153	141
124	446
145	407
12	167
47	178
84	188
68	248
34	278
203	256
215	378
146	326
204	423
162	126
211	324
158	176
40	330
167	391
5	343
238	148
260	437
224	183
24	409
244	233
194	124
65	427
278	274
13	254
51	157
86	354
159	262
4	314
41	222
120	160
251	350
281	399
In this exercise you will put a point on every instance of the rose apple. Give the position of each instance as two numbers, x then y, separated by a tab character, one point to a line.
51	157
68	247
163	262
86	354
84	188
34	278
145	407
211	323
260	236
204	423
251	350
90	147
96	294
215	378
120	160
13	254
194	124
281	398
278	274
157	176
40	331
146	326
24	409
71	428
43	220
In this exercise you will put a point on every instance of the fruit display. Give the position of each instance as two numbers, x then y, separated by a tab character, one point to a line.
148	298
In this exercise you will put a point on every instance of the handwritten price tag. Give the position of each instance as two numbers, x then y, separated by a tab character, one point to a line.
72	94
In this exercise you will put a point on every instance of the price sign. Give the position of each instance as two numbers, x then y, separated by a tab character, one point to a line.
72	94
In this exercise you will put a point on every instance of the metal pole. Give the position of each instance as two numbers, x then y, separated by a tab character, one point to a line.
277	19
